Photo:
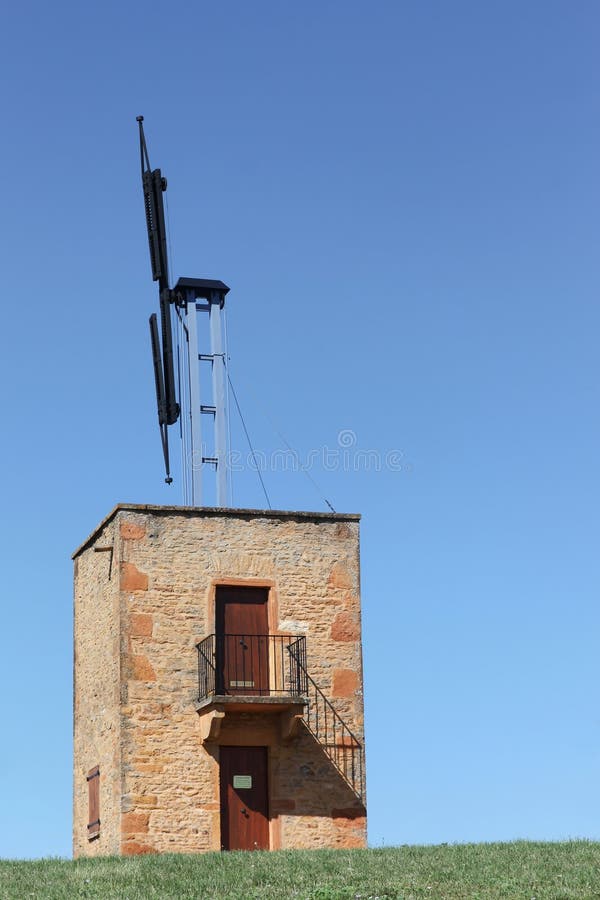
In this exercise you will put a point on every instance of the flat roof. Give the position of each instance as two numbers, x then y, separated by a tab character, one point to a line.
208	511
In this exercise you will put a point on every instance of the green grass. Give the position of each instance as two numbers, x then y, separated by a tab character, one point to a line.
518	870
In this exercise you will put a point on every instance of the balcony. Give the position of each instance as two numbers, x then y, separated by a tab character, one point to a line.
267	673
251	673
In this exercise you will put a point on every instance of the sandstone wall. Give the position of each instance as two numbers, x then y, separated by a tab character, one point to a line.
96	719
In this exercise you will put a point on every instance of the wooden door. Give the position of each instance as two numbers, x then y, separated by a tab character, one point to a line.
242	626
244	798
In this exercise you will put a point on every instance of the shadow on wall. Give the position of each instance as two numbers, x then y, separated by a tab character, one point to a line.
316	784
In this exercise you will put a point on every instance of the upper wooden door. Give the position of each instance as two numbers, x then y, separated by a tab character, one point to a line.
242	625
244	798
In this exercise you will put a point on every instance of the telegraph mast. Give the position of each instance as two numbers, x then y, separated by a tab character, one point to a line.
182	311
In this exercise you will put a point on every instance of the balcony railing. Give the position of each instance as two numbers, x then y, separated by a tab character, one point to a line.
261	665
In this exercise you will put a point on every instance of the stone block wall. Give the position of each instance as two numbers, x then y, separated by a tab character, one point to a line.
97	680
137	621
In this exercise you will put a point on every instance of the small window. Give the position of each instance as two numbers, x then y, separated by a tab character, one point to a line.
93	780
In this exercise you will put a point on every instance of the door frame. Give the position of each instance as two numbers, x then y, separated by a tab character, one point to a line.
268	789
266	583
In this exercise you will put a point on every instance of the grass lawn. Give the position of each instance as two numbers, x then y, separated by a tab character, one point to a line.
521	869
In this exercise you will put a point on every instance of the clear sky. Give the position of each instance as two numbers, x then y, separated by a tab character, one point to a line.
404	199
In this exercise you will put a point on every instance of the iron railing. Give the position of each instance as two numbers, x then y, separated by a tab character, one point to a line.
327	727
252	665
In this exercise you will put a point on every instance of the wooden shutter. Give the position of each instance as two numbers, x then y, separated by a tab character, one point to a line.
93	780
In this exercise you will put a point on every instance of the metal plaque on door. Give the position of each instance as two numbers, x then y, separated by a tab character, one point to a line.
243	782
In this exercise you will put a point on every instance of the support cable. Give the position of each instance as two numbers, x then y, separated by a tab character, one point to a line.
282	438
249	441
302	468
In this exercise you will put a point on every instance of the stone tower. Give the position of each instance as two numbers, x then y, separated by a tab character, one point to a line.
218	683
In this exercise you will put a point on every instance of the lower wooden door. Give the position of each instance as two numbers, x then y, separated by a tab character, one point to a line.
244	798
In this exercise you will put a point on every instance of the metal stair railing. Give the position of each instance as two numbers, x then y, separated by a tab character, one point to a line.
328	728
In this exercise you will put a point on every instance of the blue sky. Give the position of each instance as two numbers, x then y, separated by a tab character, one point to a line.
404	200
